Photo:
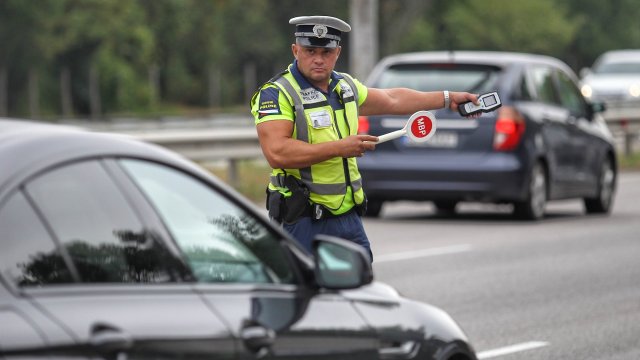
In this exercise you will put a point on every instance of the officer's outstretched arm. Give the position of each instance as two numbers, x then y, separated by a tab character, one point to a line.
403	101
284	152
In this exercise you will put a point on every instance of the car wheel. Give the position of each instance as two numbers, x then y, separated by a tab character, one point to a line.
445	207
533	207
374	207
606	187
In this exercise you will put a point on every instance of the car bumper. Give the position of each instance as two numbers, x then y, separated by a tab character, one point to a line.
494	177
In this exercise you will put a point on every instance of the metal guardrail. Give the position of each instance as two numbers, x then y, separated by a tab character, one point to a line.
208	145
234	138
624	123
226	138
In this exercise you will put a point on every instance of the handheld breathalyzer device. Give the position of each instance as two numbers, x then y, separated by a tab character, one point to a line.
487	103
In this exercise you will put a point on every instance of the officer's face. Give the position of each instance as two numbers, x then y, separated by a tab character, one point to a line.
316	64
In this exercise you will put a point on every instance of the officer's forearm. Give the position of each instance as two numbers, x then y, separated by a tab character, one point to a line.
295	154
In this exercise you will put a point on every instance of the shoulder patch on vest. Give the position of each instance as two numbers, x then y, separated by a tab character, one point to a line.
269	102
346	90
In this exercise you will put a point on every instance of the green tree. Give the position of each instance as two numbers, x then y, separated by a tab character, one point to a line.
607	25
541	26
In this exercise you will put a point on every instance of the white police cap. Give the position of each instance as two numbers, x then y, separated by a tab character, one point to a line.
319	31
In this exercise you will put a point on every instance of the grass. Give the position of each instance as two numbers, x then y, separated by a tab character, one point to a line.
253	177
629	163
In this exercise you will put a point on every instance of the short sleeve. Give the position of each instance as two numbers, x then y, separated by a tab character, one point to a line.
363	91
269	103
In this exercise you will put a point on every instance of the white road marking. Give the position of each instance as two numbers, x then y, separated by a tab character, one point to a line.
511	349
421	253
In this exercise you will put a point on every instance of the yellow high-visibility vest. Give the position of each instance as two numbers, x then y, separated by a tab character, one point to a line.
335	183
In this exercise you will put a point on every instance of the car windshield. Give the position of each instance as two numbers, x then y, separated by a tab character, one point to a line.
434	77
619	68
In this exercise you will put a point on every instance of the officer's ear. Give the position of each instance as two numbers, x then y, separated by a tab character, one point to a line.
294	50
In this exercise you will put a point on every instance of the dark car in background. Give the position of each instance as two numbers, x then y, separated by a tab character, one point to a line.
113	248
546	142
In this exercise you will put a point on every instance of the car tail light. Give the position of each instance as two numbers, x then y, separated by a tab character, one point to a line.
363	125
509	129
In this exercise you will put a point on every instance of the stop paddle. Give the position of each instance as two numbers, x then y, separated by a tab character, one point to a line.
419	128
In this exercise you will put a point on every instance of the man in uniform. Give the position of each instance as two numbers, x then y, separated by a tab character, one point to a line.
307	124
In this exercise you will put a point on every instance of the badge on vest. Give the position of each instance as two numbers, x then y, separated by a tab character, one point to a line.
320	119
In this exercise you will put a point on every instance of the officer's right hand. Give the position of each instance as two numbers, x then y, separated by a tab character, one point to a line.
356	145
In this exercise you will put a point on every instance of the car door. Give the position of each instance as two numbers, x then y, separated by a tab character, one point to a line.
25	332
246	272
104	276
583	142
555	130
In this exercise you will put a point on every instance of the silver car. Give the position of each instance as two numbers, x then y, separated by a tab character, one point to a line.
613	79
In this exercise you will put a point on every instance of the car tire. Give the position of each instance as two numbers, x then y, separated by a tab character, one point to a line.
445	207
374	207
533	207
601	204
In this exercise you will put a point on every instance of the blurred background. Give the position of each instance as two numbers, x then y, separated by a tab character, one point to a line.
101	58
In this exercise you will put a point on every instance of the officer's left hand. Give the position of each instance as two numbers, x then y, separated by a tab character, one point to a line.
458	98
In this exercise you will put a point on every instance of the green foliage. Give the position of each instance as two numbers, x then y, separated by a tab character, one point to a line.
422	37
540	26
156	54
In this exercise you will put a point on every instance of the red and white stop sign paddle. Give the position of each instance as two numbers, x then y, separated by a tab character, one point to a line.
419	128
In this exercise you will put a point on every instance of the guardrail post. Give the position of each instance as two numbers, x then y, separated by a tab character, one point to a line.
628	137
232	177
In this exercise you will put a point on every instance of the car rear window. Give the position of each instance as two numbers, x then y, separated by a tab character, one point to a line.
434	77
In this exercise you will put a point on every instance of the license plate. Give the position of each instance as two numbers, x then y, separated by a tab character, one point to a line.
438	140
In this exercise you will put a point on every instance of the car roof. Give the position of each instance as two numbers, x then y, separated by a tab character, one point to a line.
497	58
492	58
27	147
619	55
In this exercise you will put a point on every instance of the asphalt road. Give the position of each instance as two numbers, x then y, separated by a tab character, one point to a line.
567	287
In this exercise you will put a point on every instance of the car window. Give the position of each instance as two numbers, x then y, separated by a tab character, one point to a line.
630	67
522	90
570	95
221	241
29	256
92	220
542	78
435	77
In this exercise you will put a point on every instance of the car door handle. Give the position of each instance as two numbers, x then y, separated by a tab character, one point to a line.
403	350
258	338
109	338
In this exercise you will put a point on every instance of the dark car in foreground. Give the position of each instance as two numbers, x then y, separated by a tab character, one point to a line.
546	142
113	248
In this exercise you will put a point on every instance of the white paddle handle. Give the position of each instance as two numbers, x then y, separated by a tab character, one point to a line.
392	135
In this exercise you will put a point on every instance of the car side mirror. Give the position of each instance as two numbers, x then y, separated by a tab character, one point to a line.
595	108
340	264
598	107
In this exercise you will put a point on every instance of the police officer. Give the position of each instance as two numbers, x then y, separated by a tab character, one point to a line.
307	123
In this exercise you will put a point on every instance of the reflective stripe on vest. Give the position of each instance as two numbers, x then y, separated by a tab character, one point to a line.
321	189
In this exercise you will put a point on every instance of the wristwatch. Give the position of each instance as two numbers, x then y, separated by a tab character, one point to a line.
446	99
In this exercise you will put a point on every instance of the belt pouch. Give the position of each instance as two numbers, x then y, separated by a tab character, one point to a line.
275	205
297	205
